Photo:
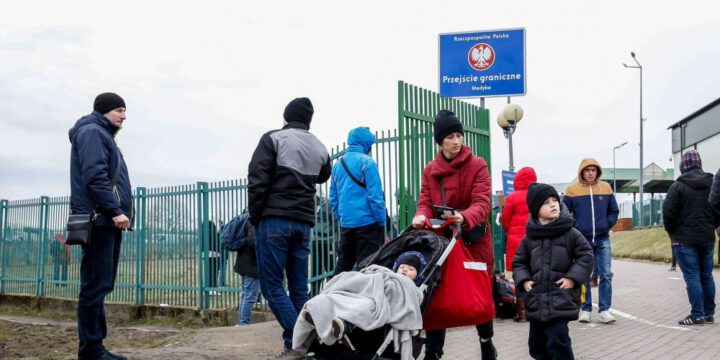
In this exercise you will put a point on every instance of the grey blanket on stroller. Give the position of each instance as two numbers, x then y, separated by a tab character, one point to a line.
368	299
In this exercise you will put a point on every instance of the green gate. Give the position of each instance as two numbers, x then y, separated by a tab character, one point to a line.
173	257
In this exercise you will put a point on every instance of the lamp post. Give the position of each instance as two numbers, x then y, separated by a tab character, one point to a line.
614	168
508	120
640	212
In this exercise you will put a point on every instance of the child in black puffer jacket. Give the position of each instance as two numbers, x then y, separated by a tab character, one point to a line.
551	264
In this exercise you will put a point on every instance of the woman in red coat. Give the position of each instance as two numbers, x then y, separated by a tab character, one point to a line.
514	218
515	213
466	181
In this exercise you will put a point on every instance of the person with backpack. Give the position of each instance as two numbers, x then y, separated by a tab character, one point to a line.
246	265
356	196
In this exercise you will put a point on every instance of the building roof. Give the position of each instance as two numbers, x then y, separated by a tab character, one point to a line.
696	113
656	180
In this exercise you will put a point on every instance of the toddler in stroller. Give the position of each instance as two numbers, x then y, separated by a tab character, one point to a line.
361	309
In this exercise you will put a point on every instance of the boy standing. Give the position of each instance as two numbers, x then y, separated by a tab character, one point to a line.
551	263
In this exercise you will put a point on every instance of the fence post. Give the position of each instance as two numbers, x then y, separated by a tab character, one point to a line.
203	232
41	255
140	239
3	235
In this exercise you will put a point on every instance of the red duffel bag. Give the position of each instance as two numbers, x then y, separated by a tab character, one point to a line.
464	296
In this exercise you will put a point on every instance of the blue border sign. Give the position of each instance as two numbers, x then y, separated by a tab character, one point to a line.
483	64
508	182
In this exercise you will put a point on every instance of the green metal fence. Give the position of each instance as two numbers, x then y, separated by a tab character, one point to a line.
652	213
174	257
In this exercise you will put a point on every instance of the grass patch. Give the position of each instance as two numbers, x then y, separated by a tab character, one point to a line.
643	244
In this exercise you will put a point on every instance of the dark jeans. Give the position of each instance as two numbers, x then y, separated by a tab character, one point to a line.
98	271
356	244
282	247
550	340
696	264
435	340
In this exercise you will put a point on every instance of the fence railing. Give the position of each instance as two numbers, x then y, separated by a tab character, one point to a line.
174	257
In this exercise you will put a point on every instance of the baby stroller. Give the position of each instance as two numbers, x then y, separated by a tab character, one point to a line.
374	344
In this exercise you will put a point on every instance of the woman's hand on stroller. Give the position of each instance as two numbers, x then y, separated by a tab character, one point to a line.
419	221
456	217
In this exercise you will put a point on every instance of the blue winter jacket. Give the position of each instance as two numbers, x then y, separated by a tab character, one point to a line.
353	205
93	161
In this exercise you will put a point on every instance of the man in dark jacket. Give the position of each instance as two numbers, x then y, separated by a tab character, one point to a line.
100	184
714	197
550	266
285	168
691	223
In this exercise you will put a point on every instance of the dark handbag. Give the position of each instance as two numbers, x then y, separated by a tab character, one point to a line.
472	236
79	226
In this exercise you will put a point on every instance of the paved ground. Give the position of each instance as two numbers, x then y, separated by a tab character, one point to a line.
648	301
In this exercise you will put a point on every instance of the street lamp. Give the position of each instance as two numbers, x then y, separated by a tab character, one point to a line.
640	212
614	168
508	120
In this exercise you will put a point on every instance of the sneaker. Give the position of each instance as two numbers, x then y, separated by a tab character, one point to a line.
290	354
606	317
710	319
690	321
584	317
338	328
305	315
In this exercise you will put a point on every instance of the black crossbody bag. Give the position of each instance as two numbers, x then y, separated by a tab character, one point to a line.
79	226
472	236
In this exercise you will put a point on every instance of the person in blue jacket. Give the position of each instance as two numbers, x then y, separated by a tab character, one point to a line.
356	196
99	184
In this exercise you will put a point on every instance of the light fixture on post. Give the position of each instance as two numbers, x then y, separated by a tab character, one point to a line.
614	168
508	120
641	190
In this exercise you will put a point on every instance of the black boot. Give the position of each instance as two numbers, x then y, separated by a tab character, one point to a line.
488	351
520	317
431	355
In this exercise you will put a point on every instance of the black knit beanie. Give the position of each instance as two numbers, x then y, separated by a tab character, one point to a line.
299	110
411	260
445	124
107	102
537	194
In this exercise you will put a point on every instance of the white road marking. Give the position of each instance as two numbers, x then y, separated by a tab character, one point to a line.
641	320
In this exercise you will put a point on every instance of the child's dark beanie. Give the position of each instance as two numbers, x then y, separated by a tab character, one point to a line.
536	196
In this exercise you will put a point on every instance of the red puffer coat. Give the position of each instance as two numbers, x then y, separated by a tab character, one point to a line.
467	188
515	213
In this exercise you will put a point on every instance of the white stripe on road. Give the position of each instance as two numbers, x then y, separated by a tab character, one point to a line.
643	321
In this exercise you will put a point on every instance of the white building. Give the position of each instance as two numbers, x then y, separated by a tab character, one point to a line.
700	131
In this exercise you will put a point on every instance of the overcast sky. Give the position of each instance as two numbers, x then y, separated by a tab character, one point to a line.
203	80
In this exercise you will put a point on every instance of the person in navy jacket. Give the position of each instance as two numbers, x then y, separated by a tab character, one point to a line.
100	184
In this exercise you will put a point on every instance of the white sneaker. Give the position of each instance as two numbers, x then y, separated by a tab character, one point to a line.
584	317
606	317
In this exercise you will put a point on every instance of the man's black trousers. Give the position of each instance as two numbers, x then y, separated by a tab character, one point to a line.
98	271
